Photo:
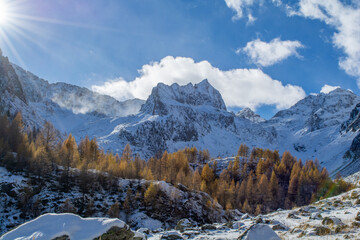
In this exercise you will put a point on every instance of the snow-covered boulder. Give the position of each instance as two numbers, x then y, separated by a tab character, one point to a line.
245	216
183	224
292	215
237	225
143	230
141	220
316	216
50	226
259	232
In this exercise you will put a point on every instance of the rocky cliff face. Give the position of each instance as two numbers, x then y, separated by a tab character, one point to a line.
249	114
179	114
352	126
166	99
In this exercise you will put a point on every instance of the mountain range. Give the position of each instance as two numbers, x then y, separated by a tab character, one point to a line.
322	126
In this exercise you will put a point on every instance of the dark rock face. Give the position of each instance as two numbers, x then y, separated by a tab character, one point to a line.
9	81
355	146
353	123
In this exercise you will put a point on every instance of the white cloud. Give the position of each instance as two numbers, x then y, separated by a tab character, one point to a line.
251	19
346	20
239	6
239	87
327	88
277	3
243	7
269	53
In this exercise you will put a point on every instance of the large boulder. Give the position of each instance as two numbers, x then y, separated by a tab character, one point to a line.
332	221
172	235
322	230
259	232
357	218
208	227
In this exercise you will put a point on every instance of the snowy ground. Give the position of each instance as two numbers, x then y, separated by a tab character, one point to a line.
333	218
309	222
337	217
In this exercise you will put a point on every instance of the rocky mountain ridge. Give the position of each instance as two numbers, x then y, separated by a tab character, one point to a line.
34	93
249	114
322	126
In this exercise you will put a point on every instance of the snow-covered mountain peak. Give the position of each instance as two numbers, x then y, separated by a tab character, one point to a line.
163	97
249	114
339	102
339	91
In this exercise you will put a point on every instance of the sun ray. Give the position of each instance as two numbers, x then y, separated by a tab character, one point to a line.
18	27
65	23
12	48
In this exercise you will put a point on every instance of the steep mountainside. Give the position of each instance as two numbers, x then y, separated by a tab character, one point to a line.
312	127
36	98
323	126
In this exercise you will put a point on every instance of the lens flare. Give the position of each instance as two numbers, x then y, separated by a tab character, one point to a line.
4	12
19	28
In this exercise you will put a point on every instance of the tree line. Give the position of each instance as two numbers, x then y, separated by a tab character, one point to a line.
256	181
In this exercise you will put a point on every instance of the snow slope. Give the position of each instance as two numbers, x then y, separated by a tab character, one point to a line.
50	226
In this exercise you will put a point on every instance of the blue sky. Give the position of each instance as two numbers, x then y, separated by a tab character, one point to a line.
90	42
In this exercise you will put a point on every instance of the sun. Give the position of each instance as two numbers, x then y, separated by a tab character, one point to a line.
4	12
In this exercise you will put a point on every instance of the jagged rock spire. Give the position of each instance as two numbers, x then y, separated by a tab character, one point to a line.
201	94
